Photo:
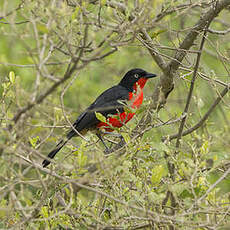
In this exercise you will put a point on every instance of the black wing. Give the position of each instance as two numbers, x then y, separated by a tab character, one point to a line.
109	102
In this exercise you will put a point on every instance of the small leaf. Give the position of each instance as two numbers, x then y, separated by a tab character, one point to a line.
75	13
44	212
100	117
162	147
127	109
157	173
204	148
12	77
126	137
6	85
200	103
155	34
103	2
34	141
127	164
11	94
42	29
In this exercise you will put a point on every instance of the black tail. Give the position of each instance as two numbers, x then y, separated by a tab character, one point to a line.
59	146
52	154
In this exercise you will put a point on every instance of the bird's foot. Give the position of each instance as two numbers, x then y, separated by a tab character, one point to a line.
107	151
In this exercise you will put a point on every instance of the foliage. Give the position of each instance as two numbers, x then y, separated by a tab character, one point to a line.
56	57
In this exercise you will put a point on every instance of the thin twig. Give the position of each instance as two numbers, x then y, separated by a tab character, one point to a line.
33	65
70	70
191	89
203	119
187	43
223	32
211	188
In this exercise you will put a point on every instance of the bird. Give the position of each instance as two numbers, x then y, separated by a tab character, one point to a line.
111	105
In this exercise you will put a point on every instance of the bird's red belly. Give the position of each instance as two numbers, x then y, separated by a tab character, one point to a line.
118	120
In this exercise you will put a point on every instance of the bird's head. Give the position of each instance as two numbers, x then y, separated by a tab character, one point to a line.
135	77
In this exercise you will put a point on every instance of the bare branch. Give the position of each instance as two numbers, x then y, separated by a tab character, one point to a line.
40	99
203	119
191	89
147	42
224	32
166	80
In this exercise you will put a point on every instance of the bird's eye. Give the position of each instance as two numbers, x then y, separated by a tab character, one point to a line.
136	75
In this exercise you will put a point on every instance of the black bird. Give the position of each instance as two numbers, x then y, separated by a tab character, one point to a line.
110	102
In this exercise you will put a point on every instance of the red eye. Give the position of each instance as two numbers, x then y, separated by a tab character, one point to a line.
136	75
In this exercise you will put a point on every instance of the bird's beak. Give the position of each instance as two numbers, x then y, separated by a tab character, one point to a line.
150	75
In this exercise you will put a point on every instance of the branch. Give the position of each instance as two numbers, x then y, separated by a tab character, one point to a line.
15	23
194	32
191	89
219	32
33	65
167	80
165	86
40	99
203	119
211	188
70	70
20	6
147	42
81	184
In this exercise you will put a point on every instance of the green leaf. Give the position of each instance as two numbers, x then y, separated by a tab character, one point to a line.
6	85
11	94
155	34
128	109
204	148
162	147
44	212
3	212
81	157
157	173
126	137
75	13
186	194
103	2
34	141
127	164
12	77
100	117
42	29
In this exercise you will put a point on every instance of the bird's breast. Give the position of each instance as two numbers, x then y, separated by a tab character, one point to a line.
118	120
136	99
